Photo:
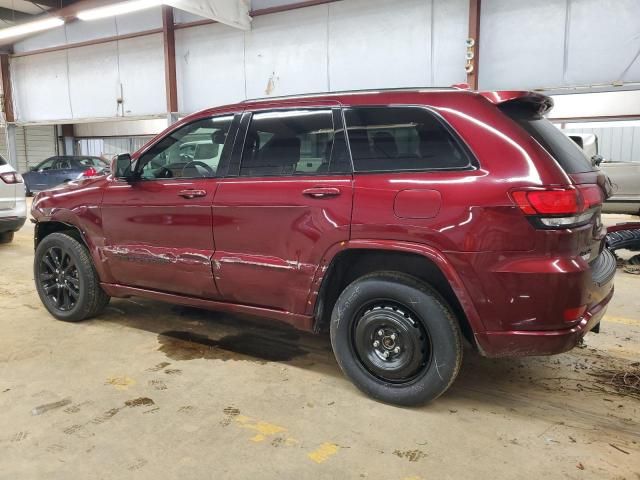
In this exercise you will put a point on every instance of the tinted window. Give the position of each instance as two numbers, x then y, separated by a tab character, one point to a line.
401	138
2	161
193	150
293	142
570	157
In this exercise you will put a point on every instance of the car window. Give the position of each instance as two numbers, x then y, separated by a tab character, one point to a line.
297	142
191	151
2	161
386	139
47	164
63	163
566	152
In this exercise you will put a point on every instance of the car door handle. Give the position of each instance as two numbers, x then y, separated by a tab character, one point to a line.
321	192
192	193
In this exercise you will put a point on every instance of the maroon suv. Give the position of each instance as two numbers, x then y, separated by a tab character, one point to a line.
402	221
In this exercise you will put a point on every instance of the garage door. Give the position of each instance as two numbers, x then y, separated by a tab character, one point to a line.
33	144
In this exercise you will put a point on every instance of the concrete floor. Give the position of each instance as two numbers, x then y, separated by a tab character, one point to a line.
150	390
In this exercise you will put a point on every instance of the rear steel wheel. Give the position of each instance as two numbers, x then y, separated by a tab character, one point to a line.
390	342
396	338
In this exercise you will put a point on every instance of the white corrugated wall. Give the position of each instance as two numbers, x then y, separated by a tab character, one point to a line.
33	144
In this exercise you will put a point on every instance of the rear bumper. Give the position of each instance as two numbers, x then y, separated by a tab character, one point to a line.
517	343
11	224
529	305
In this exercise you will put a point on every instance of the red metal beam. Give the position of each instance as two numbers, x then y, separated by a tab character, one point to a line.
169	42
7	96
474	35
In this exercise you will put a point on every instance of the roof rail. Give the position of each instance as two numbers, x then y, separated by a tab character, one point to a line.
349	92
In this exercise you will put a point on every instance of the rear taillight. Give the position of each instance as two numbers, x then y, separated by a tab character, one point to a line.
11	177
559	207
89	172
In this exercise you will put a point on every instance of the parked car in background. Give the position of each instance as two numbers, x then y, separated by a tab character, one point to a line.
624	176
61	169
13	205
392	219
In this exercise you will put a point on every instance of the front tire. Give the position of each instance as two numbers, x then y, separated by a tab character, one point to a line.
66	280
396	338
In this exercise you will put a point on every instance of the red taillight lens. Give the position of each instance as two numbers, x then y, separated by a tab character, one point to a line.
573	314
559	201
559	207
11	177
592	195
89	172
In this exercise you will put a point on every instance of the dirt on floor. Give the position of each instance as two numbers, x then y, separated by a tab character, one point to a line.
150	390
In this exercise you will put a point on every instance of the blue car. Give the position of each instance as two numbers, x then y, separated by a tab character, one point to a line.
61	169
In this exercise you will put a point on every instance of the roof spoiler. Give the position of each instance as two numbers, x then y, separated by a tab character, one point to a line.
536	102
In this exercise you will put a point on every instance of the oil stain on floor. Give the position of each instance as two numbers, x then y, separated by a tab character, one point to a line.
183	345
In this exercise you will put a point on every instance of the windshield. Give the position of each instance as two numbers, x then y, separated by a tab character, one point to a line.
570	157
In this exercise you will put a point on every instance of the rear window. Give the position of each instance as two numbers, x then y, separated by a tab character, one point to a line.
2	161
565	151
386	139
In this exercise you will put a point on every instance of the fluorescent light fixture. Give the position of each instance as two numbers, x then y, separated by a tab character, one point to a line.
117	9
31	27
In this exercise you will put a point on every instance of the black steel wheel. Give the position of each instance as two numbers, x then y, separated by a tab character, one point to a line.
390	342
66	280
396	338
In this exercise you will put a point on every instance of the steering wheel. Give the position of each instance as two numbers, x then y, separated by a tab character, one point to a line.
197	163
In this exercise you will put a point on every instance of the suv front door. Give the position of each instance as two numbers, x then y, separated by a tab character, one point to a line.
158	225
286	201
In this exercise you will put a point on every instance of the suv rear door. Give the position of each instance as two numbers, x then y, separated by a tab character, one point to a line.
286	200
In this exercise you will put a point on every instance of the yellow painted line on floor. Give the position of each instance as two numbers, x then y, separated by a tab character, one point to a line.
120	383
263	429
622	320
323	452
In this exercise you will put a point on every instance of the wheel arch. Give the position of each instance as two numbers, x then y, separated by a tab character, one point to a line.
352	260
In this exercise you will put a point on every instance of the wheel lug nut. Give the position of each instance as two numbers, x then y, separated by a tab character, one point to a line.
385	354
376	344
396	350
393	336
380	332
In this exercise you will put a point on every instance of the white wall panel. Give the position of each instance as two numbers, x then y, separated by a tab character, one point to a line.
377	43
40	86
287	53
50	38
139	21
93	81
521	46
209	66
141	62
450	29
84	31
603	42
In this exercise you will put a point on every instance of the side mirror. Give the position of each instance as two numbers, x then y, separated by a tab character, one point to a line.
121	166
596	160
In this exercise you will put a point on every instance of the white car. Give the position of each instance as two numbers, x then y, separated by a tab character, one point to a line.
13	204
624	176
